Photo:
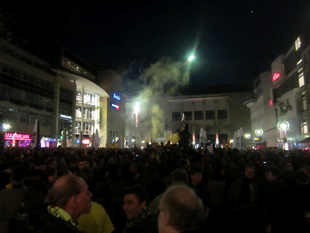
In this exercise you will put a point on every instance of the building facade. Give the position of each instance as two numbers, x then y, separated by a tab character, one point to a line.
61	95
210	118
281	104
30	91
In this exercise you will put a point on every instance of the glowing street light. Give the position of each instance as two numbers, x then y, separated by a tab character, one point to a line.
247	135
259	132
6	126
283	127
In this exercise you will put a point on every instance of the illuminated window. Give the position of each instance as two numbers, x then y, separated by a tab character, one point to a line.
300	61
301	79
297	43
304	101
304	127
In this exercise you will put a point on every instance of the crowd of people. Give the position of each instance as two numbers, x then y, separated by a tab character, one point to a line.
158	189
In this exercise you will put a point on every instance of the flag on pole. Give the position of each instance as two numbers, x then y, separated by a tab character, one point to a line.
183	117
35	142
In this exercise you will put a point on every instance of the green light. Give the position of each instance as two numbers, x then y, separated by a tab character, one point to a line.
191	57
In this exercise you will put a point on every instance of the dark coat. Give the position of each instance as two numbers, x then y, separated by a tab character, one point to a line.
148	225
47	223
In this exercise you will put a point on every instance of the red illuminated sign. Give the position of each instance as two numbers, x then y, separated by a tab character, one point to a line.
275	76
270	102
17	136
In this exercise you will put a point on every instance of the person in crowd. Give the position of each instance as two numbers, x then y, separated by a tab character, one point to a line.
50	170
96	221
139	218
69	198
195	182
244	190
178	176
180	210
12	196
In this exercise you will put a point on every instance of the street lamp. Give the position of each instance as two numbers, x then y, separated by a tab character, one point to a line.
247	136
283	127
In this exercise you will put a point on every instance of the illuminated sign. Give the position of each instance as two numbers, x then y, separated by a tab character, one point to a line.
65	116
116	106
275	76
257	139
17	136
86	141
270	102
116	96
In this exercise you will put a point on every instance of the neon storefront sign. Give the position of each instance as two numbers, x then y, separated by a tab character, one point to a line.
17	136
276	76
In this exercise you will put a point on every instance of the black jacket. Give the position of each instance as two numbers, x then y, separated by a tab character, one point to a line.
46	223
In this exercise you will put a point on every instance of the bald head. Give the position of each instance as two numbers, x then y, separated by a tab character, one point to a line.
185	210
71	193
64	188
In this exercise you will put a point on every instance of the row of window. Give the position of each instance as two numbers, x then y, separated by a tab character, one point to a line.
72	66
20	77
28	118
199	115
89	98
88	127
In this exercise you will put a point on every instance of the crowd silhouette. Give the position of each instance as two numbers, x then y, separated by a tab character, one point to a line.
263	190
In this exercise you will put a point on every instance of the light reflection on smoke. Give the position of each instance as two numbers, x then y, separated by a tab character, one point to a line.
163	78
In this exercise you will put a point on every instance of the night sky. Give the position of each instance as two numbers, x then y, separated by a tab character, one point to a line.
234	40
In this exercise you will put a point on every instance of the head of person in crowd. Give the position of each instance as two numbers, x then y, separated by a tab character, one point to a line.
83	162
135	201
272	174
18	175
180	210
139	218
249	171
179	176
71	194
195	173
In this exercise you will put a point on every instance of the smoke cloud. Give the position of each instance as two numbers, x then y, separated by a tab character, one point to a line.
161	79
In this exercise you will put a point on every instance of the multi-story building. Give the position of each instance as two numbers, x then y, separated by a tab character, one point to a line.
263	112
116	107
90	118
281	104
60	92
30	90
159	119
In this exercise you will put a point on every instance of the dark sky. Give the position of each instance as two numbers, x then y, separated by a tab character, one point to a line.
234	40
